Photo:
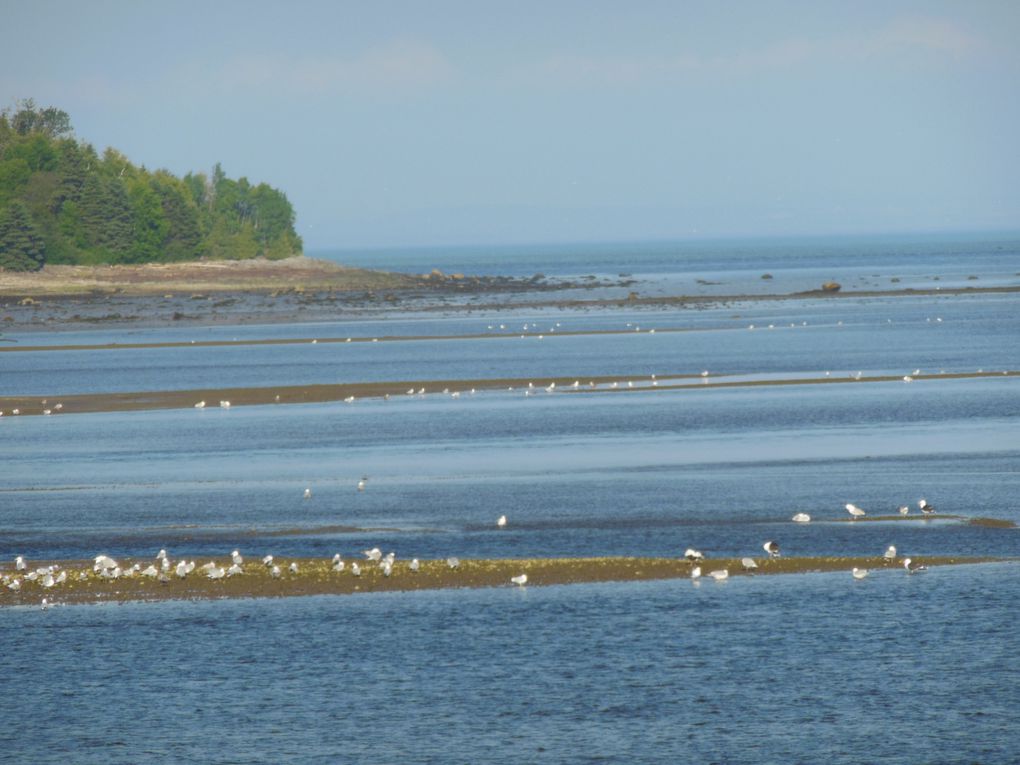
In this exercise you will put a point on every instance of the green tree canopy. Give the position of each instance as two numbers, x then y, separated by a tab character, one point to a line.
89	208
21	245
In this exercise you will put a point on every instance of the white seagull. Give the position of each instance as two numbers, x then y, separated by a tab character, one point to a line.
501	522
453	562
748	564
308	493
772	548
693	555
719	574
925	507
859	573
520	580
904	509
414	564
890	553
696	573
855	512
236	558
801	518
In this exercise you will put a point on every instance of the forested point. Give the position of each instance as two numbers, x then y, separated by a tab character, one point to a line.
61	202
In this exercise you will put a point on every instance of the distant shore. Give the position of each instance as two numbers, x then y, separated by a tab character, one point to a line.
317	576
306	289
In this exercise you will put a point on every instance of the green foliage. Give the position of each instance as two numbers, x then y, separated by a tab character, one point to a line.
21	245
79	207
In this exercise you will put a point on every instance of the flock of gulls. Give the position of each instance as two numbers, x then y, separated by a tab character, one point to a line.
166	570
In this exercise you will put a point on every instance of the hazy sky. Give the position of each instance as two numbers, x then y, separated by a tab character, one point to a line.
436	122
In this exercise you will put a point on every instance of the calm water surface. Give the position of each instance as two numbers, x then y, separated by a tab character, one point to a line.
892	669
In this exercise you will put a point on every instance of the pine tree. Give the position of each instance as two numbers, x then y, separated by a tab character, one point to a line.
21	246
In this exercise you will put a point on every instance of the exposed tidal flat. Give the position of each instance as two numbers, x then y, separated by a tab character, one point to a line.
608	651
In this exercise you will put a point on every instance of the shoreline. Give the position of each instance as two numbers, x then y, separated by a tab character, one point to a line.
316	577
302	289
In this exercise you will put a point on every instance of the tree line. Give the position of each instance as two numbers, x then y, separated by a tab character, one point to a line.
63	202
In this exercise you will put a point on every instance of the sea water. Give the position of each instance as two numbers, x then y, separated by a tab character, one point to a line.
896	668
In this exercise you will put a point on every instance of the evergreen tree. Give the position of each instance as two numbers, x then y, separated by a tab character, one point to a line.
21	245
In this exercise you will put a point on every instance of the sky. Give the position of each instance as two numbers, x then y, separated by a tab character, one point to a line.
395	124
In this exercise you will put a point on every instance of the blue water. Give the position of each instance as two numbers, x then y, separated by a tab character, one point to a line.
892	669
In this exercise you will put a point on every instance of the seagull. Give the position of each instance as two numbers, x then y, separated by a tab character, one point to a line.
200	405
216	572
696	573
415	565
890	553
19	563
308	493
719	575
911	566
234	570
501	522
161	555
224	404
693	555
275	572
904	509
452	562
520	580
375	554
748	564
801	518
772	548
181	570
859	573
338	564
267	561
361	485
152	572
925	507
355	569
235	556
908	379
855	512
293	568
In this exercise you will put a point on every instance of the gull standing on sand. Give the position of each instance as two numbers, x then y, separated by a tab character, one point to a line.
501	522
904	509
519	580
748	564
925	507
801	518
308	493
855	512
415	565
236	558
19	564
772	548
374	555
696	573
890	553
719	575
693	555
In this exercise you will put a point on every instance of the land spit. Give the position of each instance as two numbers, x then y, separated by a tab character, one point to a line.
55	403
317	576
